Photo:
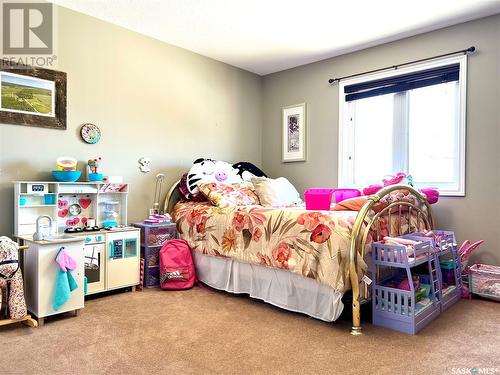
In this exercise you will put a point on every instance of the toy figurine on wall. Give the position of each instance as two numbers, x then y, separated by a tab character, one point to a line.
92	169
145	164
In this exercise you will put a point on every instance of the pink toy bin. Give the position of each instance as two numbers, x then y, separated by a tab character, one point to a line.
318	199
343	194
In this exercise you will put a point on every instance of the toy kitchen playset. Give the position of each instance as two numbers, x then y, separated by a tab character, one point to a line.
88	220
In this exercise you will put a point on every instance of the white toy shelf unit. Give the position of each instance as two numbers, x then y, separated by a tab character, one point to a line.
71	205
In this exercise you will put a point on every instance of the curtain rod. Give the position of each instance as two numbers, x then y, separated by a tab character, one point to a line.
464	51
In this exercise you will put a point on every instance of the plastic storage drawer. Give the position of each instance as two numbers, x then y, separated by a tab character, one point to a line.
151	277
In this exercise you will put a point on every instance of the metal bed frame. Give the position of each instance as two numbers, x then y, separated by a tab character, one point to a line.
366	221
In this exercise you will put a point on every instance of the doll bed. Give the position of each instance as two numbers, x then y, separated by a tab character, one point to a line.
296	259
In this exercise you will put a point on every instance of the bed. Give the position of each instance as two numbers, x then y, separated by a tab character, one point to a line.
299	260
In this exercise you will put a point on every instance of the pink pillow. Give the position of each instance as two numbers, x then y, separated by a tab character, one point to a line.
351	204
355	204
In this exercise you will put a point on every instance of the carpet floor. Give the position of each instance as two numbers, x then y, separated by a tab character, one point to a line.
201	331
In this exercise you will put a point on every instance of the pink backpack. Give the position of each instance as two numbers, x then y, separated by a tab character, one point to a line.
176	266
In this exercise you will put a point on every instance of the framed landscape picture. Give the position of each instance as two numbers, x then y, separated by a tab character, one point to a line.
294	133
32	96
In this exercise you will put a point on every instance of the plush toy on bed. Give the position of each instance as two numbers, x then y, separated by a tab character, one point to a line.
247	170
431	194
206	171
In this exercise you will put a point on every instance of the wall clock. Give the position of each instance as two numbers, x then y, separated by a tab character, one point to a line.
90	133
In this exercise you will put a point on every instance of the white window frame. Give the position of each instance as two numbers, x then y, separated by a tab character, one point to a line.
346	142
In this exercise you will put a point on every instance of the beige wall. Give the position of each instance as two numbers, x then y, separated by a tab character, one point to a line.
149	98
477	216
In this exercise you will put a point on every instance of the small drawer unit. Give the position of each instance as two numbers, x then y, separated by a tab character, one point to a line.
153	237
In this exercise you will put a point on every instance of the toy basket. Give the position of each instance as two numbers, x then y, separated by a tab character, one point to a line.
484	280
318	199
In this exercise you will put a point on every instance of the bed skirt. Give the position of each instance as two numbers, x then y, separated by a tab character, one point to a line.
278	287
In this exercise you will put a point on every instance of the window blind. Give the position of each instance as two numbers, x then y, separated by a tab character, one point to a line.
403	82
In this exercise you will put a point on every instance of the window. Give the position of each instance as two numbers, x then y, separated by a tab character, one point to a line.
411	119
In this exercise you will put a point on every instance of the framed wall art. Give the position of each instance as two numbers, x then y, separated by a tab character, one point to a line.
32	96
294	133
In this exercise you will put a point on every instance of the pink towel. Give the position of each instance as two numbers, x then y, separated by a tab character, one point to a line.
65	261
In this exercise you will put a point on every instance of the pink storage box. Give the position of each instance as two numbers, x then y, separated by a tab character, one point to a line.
318	199
343	194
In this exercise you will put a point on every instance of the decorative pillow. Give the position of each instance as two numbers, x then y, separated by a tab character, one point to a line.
222	195
277	192
351	204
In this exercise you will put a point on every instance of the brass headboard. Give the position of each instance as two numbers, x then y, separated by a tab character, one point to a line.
173	196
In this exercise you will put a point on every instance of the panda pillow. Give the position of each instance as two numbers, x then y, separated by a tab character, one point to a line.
209	171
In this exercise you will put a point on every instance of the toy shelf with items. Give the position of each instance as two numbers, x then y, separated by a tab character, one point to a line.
401	300
445	246
33	199
72	205
153	237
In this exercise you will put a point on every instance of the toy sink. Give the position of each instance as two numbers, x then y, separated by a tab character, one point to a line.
60	238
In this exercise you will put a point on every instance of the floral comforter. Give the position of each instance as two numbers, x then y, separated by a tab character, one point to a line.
312	244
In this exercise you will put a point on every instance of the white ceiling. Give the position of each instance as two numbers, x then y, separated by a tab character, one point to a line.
268	36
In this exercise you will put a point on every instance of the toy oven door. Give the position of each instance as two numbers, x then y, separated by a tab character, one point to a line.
95	263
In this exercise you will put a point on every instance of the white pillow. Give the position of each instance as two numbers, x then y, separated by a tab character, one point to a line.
277	192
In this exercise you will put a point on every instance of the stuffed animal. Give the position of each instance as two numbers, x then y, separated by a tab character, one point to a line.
248	170
372	189
398	178
11	280
431	194
206	171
